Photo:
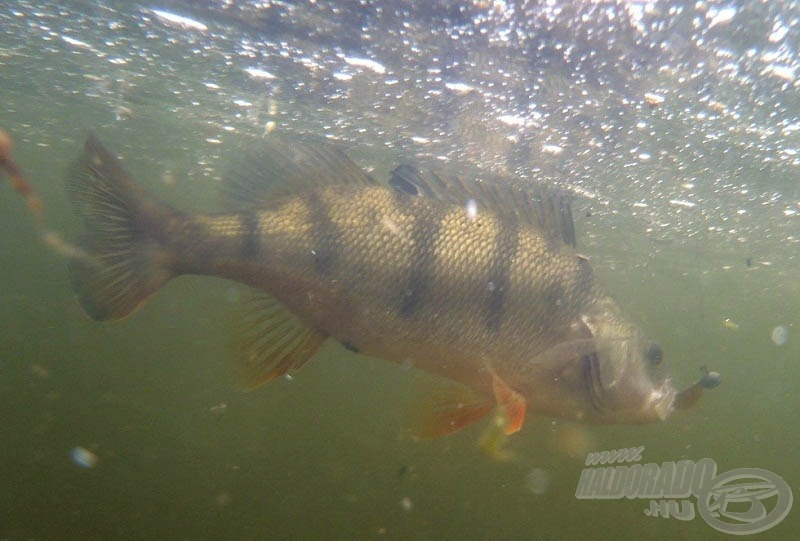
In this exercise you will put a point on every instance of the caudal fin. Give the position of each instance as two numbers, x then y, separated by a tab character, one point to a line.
126	261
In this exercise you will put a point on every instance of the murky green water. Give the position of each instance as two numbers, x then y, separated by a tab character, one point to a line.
674	200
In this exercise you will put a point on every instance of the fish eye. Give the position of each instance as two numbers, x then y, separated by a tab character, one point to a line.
653	353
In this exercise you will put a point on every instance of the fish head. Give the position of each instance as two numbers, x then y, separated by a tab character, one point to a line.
625	376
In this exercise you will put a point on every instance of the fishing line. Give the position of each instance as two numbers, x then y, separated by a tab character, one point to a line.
49	237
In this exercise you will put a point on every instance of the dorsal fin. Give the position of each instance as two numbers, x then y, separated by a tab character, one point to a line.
285	165
543	207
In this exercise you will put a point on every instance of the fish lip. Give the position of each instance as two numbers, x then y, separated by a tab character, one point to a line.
593	383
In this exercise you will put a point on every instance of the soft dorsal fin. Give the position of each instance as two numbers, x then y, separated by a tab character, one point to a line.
540	206
285	165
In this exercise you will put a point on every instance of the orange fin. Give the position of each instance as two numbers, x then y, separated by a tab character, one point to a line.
448	411
513	403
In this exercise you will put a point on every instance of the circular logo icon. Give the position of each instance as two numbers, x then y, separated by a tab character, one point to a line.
734	501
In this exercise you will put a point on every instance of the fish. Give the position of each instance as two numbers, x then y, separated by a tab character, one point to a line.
476	282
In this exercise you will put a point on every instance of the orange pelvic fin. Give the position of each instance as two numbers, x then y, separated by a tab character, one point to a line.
513	403
448	410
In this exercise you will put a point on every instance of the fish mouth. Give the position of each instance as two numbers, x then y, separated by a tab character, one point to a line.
593	381
656	404
662	400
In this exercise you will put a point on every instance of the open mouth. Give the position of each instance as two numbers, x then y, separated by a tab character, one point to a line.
593	381
661	400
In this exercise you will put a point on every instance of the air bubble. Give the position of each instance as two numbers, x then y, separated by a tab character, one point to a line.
83	457
537	481
780	335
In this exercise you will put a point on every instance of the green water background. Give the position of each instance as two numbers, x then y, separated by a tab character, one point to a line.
327	455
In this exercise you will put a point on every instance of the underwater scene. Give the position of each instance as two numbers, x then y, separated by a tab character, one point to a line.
399	270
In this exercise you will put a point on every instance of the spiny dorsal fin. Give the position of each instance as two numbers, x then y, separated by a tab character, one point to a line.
269	341
285	165
545	208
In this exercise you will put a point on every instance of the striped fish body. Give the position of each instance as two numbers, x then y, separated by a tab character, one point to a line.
418	271
402	277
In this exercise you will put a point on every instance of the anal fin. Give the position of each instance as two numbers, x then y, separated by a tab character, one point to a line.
269	341
447	410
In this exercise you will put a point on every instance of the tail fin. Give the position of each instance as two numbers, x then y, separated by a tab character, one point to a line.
126	261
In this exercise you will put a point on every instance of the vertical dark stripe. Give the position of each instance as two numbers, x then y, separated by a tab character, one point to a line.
250	235
506	244
424	234
325	233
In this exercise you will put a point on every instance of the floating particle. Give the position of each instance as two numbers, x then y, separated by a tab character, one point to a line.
720	16
782	72
406	504
472	209
682	203
555	150
168	177
512	120
459	88
218	408
728	323
537	481
258	73
223	499
575	441
40	371
779	32
83	457
652	99
76	42
780	335
368	63
180	21
123	113
494	439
